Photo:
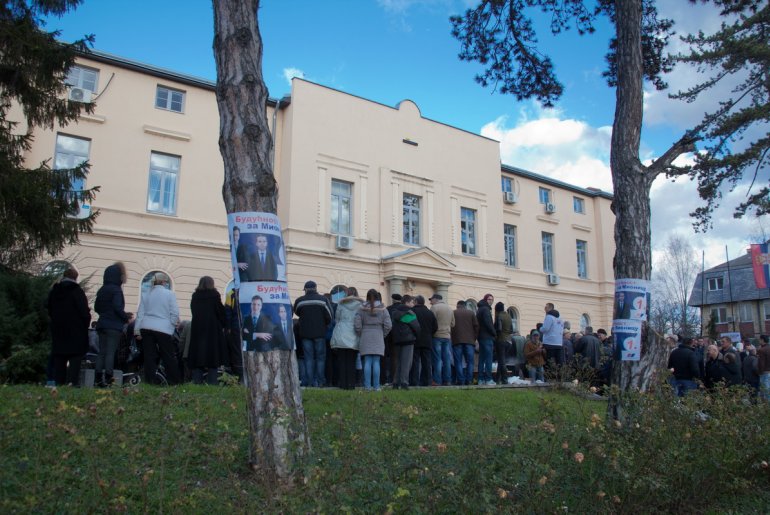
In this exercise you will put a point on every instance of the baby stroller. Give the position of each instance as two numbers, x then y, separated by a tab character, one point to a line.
130	359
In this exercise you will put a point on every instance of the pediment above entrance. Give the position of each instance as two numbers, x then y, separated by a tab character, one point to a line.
419	263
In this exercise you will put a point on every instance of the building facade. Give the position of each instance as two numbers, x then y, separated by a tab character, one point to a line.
370	195
730	301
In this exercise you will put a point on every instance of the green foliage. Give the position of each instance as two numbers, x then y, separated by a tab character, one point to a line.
24	336
35	203
499	35
184	449
735	136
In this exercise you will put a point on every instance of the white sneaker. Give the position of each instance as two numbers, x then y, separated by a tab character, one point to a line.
539	382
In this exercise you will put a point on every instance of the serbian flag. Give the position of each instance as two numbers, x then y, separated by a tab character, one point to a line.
760	259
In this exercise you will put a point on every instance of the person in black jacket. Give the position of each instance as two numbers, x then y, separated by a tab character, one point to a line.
683	364
110	305
487	335
314	314
422	373
70	317
208	349
405	331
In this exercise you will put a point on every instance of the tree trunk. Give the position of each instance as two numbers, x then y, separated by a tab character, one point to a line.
631	204
279	438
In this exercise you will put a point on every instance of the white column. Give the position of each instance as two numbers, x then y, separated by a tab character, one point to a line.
363	182
429	218
323	198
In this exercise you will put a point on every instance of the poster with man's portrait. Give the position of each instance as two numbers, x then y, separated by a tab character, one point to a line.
628	339
267	317
631	299
256	247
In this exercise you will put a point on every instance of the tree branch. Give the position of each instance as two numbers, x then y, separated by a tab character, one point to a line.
663	164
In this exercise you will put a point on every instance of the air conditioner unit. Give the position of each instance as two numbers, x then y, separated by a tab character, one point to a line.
550	207
344	242
80	95
510	197
553	279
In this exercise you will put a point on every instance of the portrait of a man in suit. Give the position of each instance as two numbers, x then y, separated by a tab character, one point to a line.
622	307
262	264
283	334
241	255
257	328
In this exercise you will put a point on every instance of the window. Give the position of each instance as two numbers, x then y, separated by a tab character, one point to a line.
468	228
545	196
81	77
411	219
55	268
507	184
148	278
342	193
746	312
585	321
71	152
547	244
579	205
719	315
582	268
716	283
509	244
513	312
169	99
340	291
161	193
766	305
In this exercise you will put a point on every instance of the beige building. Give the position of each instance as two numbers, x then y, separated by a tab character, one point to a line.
370	195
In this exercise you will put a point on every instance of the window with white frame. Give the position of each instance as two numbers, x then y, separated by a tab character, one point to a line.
468	230
716	283
507	184
509	237
149	278
578	205
514	313
164	175
719	315
746	312
545	195
82	77
71	152
547	245
341	206
411	219
582	265
169	99
585	321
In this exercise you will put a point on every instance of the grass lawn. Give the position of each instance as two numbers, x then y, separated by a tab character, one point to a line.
184	449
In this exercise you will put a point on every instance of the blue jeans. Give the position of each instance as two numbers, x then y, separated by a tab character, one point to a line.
315	361
682	386
464	373
486	348
371	371
535	373
442	368
764	386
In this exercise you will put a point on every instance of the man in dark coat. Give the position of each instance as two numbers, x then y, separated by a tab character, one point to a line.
464	335
422	373
405	331
315	314
70	317
487	336
683	364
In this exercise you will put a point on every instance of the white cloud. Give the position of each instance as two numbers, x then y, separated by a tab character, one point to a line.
544	142
291	72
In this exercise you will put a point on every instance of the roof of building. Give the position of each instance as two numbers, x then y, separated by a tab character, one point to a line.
738	281
199	82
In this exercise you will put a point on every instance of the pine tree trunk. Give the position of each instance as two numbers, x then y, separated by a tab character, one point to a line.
631	204
279	438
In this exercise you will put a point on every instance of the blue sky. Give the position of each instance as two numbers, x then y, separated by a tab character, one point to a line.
390	50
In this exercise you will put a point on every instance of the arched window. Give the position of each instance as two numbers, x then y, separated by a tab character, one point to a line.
149	277
339	292
55	268
514	313
585	321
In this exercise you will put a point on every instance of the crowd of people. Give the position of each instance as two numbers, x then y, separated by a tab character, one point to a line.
412	342
701	362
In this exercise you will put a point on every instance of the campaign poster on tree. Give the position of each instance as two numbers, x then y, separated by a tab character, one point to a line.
267	317
632	299
256	247
628	339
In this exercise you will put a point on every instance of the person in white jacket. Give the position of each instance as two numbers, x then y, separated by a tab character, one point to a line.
155	324
553	330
